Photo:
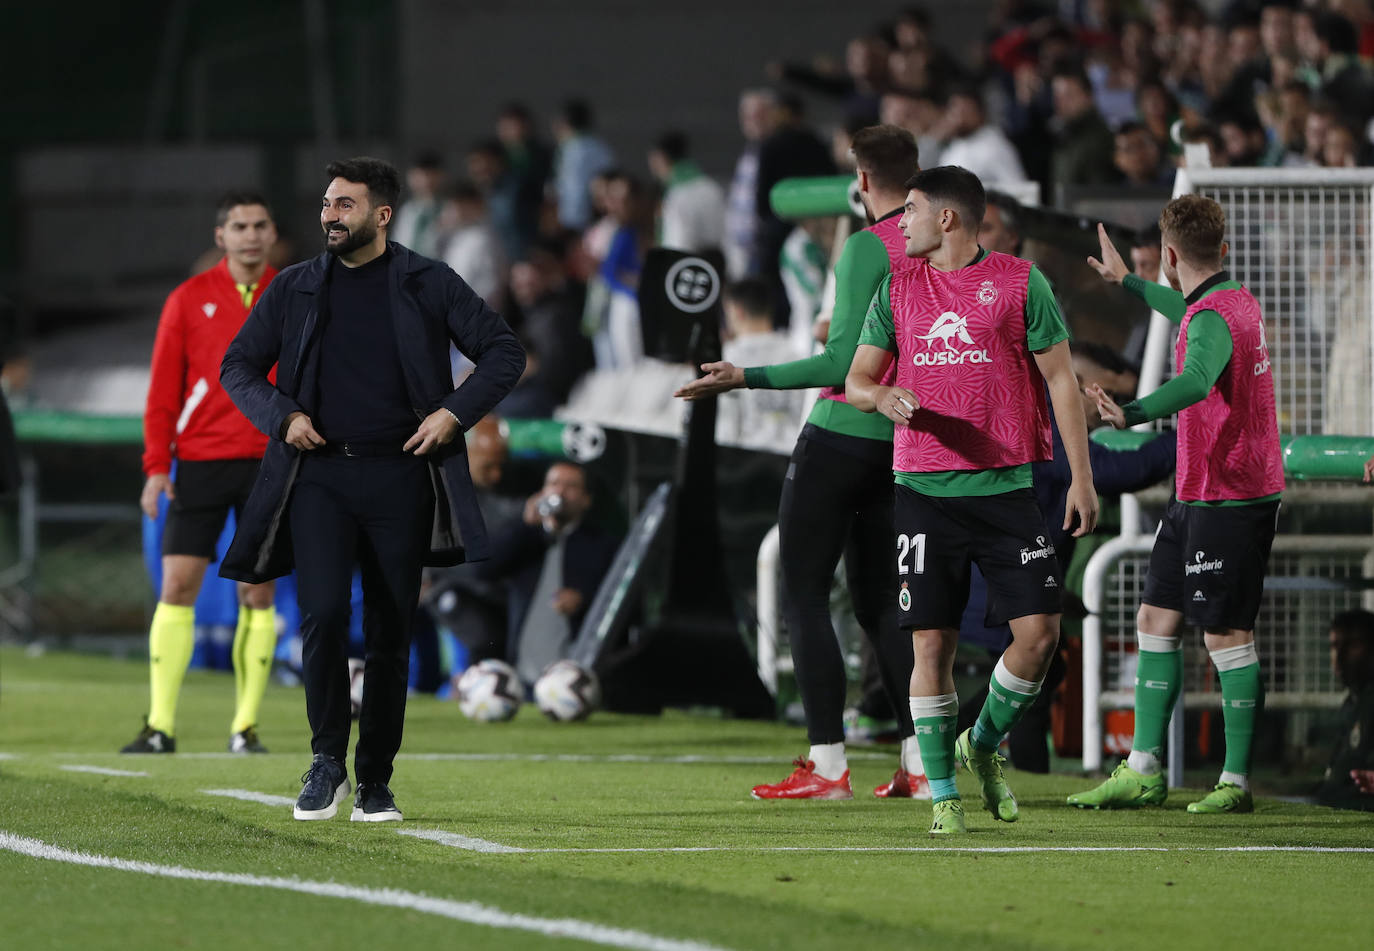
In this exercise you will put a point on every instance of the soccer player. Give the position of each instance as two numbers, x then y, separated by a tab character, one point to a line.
189	417
976	337
1212	547
837	497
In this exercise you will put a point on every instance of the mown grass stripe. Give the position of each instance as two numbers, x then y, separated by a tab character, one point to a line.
469	912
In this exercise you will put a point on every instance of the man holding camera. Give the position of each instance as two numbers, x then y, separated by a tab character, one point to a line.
554	562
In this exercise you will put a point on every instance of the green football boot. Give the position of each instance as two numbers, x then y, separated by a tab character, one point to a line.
949	818
1226	797
1126	789
997	798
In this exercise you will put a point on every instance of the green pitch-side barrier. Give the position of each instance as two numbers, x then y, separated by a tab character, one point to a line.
527	436
794	198
1305	458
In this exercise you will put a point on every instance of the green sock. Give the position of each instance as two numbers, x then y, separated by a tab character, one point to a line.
1158	680
171	639
236	654
1009	697
935	719
254	665
1242	697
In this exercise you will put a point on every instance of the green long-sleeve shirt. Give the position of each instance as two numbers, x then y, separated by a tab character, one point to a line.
863	264
1209	350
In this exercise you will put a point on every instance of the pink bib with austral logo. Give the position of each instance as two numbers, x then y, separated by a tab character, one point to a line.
1228	444
961	339
895	243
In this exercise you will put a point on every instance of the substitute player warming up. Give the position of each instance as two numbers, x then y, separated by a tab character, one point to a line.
977	338
191	418
1212	547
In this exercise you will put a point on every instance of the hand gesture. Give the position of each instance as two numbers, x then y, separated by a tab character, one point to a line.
437	429
159	483
1081	504
897	404
300	432
720	378
567	601
1111	268
1106	406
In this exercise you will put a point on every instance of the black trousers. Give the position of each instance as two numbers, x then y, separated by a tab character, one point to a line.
376	514
835	503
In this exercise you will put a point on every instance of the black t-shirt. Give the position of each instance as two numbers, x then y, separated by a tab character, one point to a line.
362	390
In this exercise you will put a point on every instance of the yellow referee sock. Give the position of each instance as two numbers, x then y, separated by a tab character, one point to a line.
171	639
253	664
236	654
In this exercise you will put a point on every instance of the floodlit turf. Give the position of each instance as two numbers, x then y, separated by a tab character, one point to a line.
559	790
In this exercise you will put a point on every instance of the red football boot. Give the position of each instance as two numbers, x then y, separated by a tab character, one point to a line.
904	785
805	784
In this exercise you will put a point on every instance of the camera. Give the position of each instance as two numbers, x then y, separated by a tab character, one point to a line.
549	506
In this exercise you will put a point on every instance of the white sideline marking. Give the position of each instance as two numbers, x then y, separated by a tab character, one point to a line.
465	842
466	911
617	758
9	755
247	795
102	770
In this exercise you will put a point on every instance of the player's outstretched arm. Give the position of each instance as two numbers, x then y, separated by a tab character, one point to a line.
1111	268
1080	508
721	377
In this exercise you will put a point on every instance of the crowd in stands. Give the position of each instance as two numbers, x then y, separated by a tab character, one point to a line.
550	225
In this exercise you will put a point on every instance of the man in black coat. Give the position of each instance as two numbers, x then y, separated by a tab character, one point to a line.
364	467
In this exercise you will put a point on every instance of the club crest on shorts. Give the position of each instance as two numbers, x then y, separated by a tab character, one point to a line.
987	293
904	598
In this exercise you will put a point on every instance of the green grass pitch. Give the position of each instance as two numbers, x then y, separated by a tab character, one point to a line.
91	859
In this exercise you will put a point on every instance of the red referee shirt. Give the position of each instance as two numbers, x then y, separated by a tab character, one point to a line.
188	414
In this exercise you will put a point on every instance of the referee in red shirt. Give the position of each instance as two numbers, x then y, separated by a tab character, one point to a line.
189	417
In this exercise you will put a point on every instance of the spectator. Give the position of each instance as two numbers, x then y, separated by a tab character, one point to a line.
999	230
1329	45
472	247
1083	147
553	561
792	150
1284	112
1207	134
580	156
1136	156
1158	111
490	172
756	123
863	80
1322	116
976	144
920	115
618	340
1352	660
530	161
759	418
550	312
805	273
1242	137
417	220
1340	147
693	209
1145	258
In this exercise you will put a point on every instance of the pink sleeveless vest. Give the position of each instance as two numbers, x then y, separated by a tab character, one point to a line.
895	242
1228	444
961	337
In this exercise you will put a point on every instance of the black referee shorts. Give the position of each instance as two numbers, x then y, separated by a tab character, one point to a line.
1005	535
1209	561
205	492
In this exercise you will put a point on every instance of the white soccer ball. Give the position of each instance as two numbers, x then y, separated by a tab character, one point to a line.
355	686
565	691
490	691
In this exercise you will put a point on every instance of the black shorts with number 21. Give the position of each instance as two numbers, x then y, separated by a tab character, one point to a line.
939	538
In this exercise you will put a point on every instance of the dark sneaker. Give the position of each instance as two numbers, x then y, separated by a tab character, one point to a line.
246	741
151	741
326	785
374	804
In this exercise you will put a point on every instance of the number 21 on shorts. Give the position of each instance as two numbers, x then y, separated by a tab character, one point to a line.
911	554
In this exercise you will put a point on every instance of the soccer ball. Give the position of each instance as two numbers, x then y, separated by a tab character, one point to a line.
565	691
489	691
355	686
